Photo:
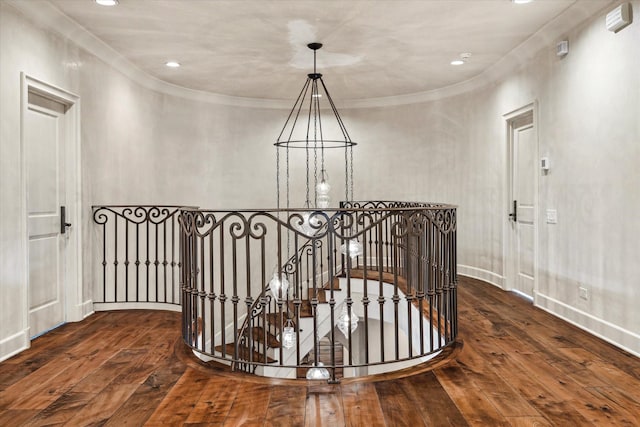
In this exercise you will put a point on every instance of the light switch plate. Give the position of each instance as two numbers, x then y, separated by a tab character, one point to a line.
552	216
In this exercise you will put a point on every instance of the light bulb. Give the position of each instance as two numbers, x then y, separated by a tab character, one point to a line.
323	187
275	284
310	224
352	248
345	321
318	372
288	335
322	194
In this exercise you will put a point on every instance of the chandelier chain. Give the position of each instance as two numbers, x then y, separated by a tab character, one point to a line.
307	189
278	178
288	206
315	175
351	171
315	145
346	175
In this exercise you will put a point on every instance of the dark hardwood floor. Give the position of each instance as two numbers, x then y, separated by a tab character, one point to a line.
519	367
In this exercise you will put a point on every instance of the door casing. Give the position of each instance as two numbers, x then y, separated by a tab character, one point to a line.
509	235
75	310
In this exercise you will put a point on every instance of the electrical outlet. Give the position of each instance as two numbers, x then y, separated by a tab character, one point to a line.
552	216
583	292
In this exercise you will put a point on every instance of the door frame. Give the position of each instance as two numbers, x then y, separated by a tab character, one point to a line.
74	309
509	256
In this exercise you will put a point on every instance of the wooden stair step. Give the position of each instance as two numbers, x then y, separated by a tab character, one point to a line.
322	296
305	308
387	277
336	284
358	273
243	353
258	334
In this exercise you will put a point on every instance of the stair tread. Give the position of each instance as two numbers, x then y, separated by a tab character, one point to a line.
243	353
387	277
336	284
258	334
305	308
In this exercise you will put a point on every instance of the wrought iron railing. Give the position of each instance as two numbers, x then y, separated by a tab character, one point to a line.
391	264
139	254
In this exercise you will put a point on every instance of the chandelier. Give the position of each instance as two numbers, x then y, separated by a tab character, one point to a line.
306	129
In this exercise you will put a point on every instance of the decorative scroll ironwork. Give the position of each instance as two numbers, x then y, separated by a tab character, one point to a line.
401	284
139	256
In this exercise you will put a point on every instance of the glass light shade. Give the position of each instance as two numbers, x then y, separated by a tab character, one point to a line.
323	201
345	321
353	248
275	284
323	188
288	335
318	372
322	194
310	224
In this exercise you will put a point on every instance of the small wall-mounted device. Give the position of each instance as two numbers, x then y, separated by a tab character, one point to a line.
619	17
562	48
544	164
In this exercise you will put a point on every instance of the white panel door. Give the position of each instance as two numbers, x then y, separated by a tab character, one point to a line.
524	166
44	154
524	195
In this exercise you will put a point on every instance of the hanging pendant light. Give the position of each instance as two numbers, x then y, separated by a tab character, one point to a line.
309	225
278	283
346	322
288	335
322	191
352	248
318	372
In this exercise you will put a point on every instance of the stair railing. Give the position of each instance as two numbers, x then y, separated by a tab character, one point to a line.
261	305
136	256
401	282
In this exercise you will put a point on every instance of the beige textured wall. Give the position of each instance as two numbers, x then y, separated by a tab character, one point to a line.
140	146
51	59
455	150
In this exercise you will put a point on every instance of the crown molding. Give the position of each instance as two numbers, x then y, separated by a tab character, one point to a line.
546	37
45	14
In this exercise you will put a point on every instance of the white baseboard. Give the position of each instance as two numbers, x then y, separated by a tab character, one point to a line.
101	306
80	311
614	334
87	308
14	344
481	274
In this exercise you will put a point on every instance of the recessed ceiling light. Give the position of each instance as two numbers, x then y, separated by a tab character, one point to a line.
172	64
462	60
521	1
107	2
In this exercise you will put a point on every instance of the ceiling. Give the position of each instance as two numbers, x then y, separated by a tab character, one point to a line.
257	48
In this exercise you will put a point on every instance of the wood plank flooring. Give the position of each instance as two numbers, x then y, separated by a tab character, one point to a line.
519	367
